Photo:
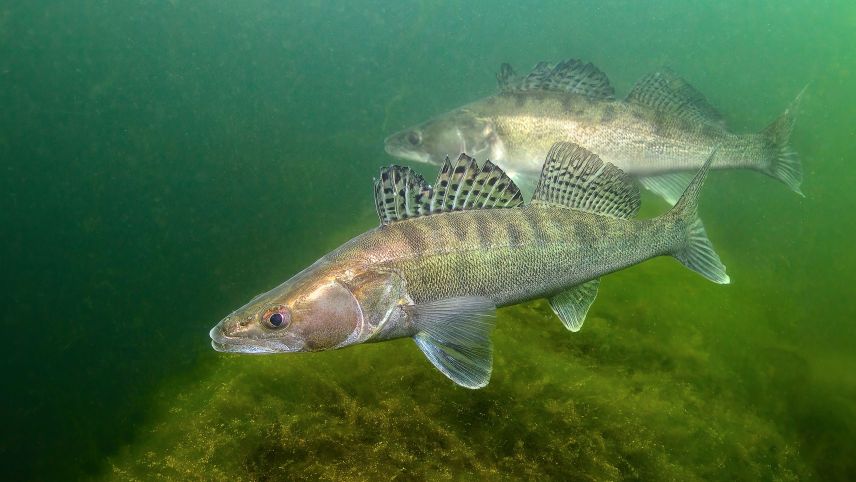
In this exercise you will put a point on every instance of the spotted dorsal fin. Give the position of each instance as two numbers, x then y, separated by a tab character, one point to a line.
666	92
576	178
401	193
571	76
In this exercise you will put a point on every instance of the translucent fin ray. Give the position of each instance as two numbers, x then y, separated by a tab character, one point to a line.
784	163
695	250
572	305
668	186
454	334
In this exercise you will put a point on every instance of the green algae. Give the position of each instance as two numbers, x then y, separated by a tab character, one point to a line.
638	394
671	378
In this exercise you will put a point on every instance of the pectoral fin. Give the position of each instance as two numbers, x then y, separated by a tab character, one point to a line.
454	333
572	305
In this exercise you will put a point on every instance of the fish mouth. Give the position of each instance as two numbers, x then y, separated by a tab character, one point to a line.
229	344
406	154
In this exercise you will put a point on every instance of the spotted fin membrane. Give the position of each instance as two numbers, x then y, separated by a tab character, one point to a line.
571	76
576	178
401	193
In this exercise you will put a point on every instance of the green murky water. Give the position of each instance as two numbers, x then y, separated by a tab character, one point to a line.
164	161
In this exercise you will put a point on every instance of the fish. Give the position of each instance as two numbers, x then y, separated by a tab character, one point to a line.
661	133
445	256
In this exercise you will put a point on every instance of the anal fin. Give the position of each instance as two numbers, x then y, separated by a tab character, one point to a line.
454	334
572	305
668	186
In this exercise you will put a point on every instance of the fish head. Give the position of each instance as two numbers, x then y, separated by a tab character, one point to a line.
319	309
459	131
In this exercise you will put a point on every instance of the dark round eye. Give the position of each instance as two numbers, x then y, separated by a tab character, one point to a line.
275	319
414	138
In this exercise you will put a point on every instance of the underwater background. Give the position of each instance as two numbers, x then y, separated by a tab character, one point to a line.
165	161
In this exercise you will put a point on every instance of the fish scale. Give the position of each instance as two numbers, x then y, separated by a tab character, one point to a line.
549	240
661	133
445	257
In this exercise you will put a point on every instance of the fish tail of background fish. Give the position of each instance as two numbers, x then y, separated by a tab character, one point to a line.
782	162
692	247
768	151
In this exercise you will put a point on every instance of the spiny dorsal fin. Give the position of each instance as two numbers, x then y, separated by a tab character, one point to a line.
473	188
506	76
666	92
571	76
401	193
578	179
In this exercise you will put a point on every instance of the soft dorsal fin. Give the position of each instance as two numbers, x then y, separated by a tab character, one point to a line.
666	92
572	76
576	178
401	193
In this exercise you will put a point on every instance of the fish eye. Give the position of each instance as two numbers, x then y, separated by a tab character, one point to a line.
415	138
277	317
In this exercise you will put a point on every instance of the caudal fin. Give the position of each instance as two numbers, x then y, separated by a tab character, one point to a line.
784	163
695	251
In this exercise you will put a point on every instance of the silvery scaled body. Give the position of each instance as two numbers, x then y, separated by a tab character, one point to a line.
661	133
445	256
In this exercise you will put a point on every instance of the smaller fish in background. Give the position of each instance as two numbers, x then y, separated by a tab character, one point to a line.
446	256
661	133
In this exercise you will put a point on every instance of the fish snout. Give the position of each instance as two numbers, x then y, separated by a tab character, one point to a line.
408	154
241	335
232	327
390	146
227	330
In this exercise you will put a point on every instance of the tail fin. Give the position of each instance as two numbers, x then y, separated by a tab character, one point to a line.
695	250
784	165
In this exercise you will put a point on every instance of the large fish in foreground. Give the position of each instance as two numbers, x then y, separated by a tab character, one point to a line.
445	257
660	134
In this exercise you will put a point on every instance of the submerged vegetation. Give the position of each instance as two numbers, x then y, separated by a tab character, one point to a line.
645	390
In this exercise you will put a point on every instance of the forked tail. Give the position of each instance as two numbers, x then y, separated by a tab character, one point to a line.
695	251
784	164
